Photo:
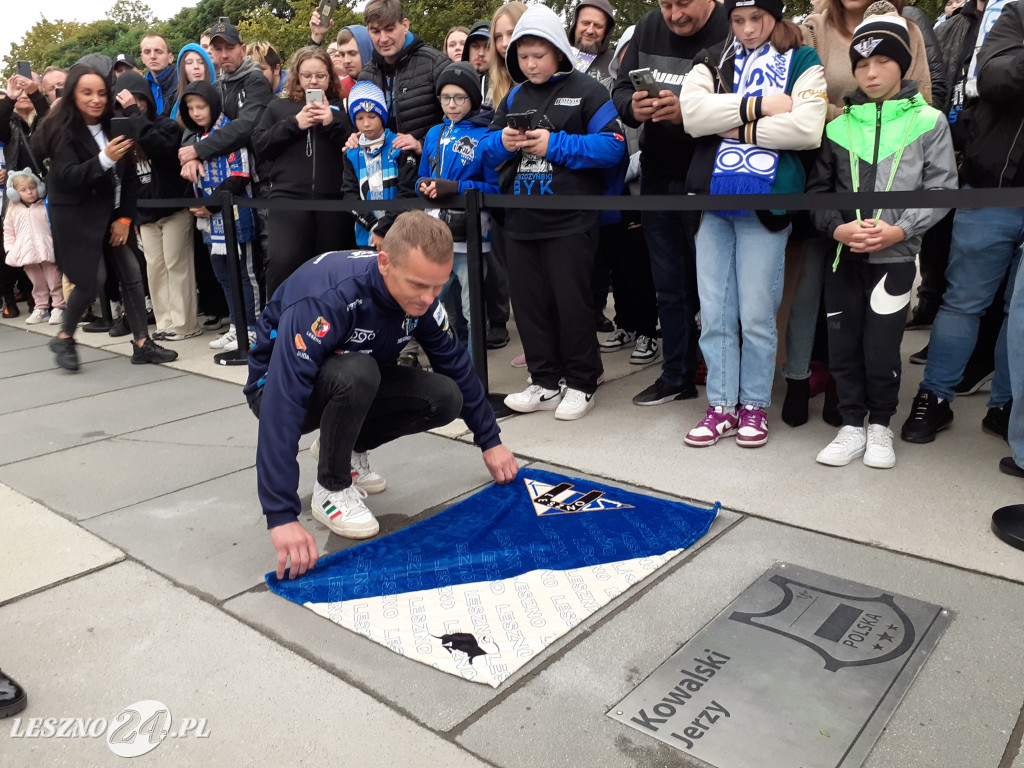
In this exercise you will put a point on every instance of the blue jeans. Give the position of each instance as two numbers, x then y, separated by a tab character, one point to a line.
250	288
803	312
1014	328
669	237
986	244
740	268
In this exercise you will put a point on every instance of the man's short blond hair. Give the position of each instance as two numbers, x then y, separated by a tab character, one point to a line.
416	229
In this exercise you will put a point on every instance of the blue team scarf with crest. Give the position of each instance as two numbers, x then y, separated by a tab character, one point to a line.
747	169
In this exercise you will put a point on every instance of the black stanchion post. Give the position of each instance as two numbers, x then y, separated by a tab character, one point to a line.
241	355
474	257
477	315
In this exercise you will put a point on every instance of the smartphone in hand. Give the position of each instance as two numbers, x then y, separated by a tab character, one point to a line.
121	126
326	9
643	80
25	69
314	96
520	121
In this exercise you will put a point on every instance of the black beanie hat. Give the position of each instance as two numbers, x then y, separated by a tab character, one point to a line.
462	74
772	7
882	33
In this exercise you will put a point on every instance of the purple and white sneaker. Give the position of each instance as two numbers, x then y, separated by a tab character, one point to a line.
716	424
753	431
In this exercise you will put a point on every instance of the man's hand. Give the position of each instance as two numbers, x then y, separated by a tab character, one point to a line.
187	154
428	189
193	171
661	108
405	141
294	543
501	464
318	31
537	142
201	212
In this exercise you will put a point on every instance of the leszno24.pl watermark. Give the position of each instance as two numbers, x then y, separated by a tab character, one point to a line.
136	730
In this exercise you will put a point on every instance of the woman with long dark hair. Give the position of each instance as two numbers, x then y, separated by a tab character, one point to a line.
93	191
301	143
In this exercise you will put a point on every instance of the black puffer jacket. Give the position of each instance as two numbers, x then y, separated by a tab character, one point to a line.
15	133
408	86
158	138
301	164
936	66
995	144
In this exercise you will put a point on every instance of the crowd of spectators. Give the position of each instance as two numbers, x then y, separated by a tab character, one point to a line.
698	97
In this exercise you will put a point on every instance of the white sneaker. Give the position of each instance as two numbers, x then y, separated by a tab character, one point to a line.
574	405
344	512
847	446
618	339
232	345
363	476
224	339
534	398
57	317
38	316
879	452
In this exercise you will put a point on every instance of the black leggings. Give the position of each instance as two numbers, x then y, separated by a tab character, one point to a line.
126	266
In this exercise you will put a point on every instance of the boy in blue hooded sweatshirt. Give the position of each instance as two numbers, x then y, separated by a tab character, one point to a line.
452	161
567	140
202	115
376	169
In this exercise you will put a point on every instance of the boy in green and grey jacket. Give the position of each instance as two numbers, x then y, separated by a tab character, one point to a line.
887	138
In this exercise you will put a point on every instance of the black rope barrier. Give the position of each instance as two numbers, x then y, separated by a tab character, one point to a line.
473	202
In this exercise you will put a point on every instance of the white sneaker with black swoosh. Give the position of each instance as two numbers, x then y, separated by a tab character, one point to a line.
575	405
534	398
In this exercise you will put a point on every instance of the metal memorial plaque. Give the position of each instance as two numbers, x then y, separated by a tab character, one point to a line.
802	670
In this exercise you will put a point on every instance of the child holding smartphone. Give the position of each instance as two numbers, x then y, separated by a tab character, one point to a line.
567	141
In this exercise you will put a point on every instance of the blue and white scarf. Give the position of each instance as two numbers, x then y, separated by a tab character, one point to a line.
988	20
218	169
747	169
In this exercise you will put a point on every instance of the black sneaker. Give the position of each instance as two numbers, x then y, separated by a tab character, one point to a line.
213	322
920	357
13	698
659	392
997	421
497	337
120	327
1010	467
604	325
927	416
923	316
150	352
67	357
973	380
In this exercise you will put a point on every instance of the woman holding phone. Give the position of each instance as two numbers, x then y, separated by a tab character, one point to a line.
301	139
93	190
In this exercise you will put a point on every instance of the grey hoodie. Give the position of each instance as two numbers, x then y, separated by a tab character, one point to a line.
539	21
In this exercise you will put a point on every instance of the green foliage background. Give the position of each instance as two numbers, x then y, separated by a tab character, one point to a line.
283	22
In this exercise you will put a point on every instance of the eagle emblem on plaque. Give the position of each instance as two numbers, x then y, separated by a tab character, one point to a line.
845	630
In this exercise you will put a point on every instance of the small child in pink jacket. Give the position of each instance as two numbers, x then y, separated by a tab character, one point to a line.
29	245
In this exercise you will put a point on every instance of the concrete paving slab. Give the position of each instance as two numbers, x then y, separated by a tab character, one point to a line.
438	700
264	705
962	707
69	424
211	534
936	503
15	338
39	358
39	548
46	387
114	472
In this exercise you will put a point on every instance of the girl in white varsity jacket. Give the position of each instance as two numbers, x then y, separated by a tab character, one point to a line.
754	101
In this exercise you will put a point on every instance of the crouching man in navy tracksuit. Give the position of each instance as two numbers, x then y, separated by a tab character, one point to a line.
326	356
